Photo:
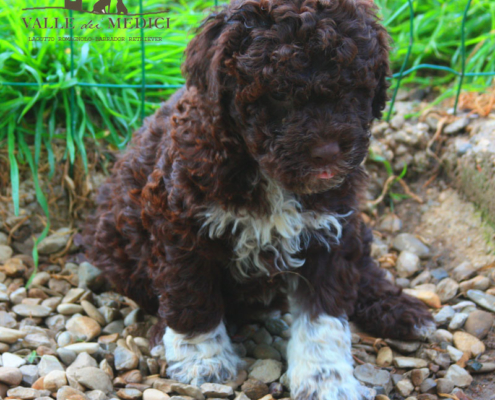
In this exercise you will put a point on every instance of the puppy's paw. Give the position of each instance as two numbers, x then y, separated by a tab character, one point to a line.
330	386
204	358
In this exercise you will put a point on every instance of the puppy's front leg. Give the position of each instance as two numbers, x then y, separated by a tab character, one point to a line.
319	352
197	347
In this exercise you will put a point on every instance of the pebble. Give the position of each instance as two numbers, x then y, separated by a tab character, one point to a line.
264	352
69	309
266	371
456	126
479	323
444	315
463	271
18	295
407	264
83	328
88	276
154	394
73	295
89	348
48	364
68	393
262	336
367	373
423	277
384	357
130	394
418	375
390	223
447	289
478	283
10	376
216	390
409	362
6	252
445	385
55	242
404	387
458	321
459	376
125	359
10	336
428	385
96	395
408	242
93	312
403	346
23	393
441	335
276	326
41	279
430	298
54	381
187	390
31	310
438	274
276	389
468	343
94	378
29	374
12	360
254	389
455	354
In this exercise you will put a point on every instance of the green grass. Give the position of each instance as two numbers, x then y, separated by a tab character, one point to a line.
31	118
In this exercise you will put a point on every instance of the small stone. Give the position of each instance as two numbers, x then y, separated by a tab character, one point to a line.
23	393
93	312
444	385
83	328
187	390
447	289
69	309
409	362
367	373
276	326
419	375
68	393
54	381
384	357
29	374
88	276
48	364
129	394
216	390
443	360
407	264
408	242
468	343
265	351
89	348
242	396
262	336
456	126
10	336
266	371
463	271
96	395
404	387
479	323
113	327
428	385
276	389
483	299
422	278
455	354
154	394
18	295
441	335
459	376
52	303
55	242
12	360
478	283
444	315
73	295
254	389
94	378
458	321
438	274
6	252
125	359
10	376
31	310
430	298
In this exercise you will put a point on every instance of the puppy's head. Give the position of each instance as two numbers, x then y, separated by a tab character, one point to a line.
298	80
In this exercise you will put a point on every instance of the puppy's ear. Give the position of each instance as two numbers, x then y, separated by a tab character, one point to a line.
382	71
201	51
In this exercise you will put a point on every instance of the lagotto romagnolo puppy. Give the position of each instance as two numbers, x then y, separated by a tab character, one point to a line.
244	189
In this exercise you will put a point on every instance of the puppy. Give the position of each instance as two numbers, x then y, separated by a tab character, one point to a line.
100	7
245	187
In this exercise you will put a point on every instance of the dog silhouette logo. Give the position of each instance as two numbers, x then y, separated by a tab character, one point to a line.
103	7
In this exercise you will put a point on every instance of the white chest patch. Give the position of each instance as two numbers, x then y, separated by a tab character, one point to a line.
282	233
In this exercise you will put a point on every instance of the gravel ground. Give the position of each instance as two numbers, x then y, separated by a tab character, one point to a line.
64	338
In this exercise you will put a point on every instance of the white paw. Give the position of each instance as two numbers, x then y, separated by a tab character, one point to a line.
208	357
425	331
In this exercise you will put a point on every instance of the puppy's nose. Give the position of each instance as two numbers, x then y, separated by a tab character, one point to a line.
325	153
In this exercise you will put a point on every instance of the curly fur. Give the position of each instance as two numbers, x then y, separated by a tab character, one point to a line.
226	172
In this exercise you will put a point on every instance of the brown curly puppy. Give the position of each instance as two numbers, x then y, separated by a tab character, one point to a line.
245	187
